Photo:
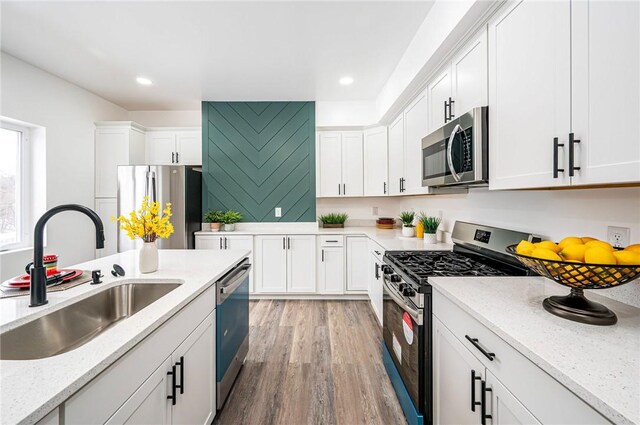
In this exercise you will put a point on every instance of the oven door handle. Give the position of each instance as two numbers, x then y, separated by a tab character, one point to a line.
415	314
457	129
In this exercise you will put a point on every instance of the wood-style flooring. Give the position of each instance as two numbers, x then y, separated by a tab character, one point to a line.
312	362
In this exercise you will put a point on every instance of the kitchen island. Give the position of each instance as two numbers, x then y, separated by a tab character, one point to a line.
33	388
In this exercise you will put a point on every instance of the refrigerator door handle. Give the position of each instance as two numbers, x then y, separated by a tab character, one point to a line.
150	188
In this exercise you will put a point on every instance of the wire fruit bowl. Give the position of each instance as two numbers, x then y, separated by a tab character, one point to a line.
579	276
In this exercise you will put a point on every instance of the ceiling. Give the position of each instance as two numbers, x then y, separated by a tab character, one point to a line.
232	50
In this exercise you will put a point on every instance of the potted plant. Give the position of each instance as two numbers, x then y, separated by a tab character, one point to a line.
148	223
333	220
407	223
214	218
230	218
430	225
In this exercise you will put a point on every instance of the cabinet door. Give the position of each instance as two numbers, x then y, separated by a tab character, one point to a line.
529	94
357	262
195	371
331	273
453	383
352	163
606	91
438	92
396	155
149	404
330	160
137	142
189	147
503	407
301	264
107	208
243	242
415	128
375	162
271	264
375	286
160	147
210	242
469	76
111	150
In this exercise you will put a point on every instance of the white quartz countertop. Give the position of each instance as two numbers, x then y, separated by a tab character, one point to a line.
600	364
389	239
32	388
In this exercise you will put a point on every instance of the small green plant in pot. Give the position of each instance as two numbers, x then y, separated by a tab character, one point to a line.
333	220
230	218
430	225
214	218
407	223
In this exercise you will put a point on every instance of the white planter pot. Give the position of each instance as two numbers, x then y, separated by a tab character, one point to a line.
430	238
148	258
408	232
229	227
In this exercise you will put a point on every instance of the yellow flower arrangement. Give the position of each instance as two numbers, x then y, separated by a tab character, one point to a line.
147	223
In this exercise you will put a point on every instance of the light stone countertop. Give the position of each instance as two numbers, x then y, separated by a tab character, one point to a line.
32	388
390	240
600	364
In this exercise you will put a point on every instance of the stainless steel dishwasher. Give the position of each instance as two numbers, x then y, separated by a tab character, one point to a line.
232	327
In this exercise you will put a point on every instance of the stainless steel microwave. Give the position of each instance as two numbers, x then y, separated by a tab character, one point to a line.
458	153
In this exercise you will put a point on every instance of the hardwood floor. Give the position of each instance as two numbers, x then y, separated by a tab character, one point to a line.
312	362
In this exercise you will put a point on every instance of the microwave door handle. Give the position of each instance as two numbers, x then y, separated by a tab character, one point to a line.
454	173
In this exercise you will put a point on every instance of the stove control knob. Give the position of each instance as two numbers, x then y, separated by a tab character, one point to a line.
395	278
401	287
386	270
408	292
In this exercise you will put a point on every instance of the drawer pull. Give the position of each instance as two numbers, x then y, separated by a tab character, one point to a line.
474	378
476	344
332	241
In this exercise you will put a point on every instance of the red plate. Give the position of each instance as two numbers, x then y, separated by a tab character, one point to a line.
23	281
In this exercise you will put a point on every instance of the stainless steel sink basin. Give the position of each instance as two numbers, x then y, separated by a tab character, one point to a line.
72	326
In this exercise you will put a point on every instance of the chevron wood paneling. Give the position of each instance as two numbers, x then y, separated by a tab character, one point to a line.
259	156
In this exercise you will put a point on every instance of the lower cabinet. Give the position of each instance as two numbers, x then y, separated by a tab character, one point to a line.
375	285
285	264
222	242
357	262
331	270
504	407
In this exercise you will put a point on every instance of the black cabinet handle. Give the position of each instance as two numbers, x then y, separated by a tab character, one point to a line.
181	364
284	246
402	180
288	243
339	189
384	190
323	255
483	404
344	189
172	397
177	157
476	344
572	156
377	252
377	271
173	157
400	184
556	170
451	102
221	243
225	242
474	378
445	111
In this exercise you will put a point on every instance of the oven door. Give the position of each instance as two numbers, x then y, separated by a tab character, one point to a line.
403	334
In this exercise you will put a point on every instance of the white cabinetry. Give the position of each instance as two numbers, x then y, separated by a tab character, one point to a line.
357	262
439	92
331	264
375	162
107	208
375	290
221	241
415	128
396	156
285	264
340	163
504	407
174	146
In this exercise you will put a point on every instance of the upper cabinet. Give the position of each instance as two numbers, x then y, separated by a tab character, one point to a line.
340	161
415	128
564	94
439	92
376	181
173	147
116	143
396	156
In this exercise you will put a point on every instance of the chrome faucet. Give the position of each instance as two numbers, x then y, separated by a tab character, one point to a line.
38	283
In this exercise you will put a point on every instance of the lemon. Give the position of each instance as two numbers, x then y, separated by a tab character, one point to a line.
600	244
545	254
586	239
629	258
574	252
635	247
525	247
570	240
548	245
599	255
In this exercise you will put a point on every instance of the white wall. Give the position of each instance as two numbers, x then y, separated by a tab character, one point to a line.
167	118
68	113
345	114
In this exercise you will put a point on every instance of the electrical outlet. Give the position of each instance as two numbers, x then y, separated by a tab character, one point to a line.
374	210
618	237
278	212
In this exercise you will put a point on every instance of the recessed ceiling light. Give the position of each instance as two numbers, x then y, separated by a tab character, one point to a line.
345	81
144	81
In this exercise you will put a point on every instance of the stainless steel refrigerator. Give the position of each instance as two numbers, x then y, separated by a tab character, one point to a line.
181	185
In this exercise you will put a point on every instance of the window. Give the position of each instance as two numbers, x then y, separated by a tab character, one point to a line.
13	205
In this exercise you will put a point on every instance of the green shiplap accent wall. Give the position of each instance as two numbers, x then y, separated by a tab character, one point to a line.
258	156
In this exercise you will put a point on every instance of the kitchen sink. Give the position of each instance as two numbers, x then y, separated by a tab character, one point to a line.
76	324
